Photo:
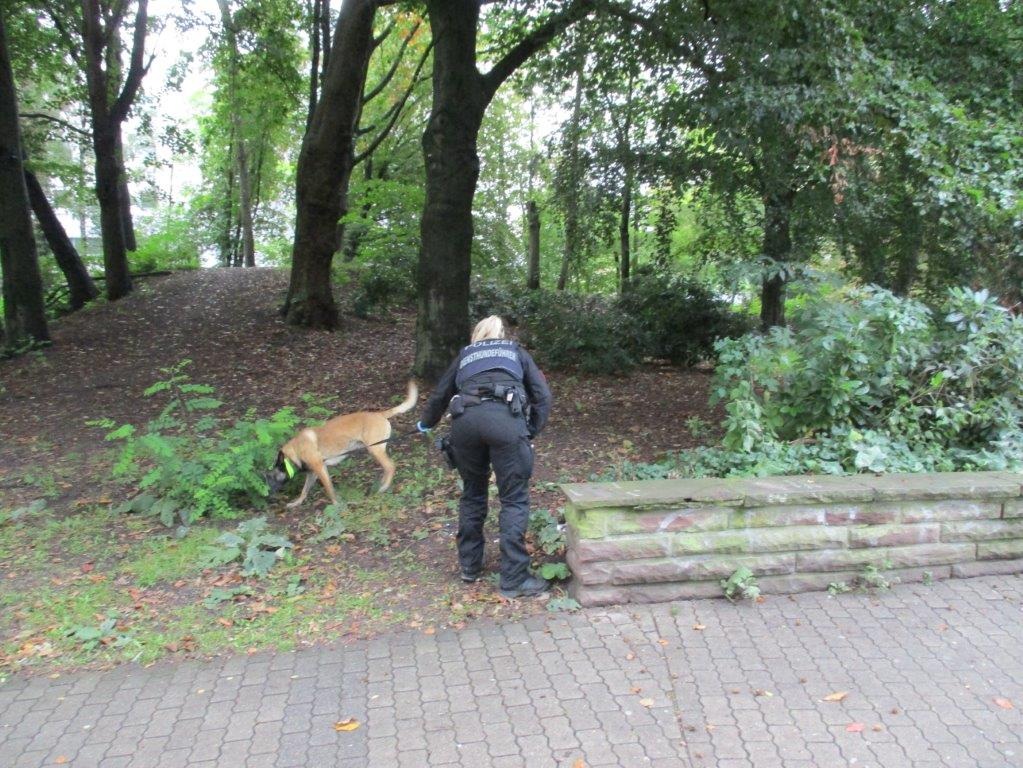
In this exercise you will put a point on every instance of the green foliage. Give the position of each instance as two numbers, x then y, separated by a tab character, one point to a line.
868	381
219	595
680	319
741	584
838	588
873	577
568	604
590	333
189	463
167	241
497	297
552	571
105	633
253	544
382	284
330	522
547	534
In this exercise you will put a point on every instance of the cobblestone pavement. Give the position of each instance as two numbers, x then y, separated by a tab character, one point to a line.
932	676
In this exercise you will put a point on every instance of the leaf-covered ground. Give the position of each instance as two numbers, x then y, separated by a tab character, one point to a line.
83	584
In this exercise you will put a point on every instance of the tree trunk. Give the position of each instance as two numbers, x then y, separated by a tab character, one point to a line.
124	197
247	257
248	254
325	168
460	97
452	169
533	227
629	168
778	251
108	180
907	247
623	232
225	239
24	310
574	179
314	64
108	109
81	287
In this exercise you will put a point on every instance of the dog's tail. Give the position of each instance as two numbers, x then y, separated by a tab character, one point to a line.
407	404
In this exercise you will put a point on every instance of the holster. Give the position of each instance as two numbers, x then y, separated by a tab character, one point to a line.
444	446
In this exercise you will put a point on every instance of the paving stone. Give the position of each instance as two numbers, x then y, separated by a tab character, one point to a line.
921	665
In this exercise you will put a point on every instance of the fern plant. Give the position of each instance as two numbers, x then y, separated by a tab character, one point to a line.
187	462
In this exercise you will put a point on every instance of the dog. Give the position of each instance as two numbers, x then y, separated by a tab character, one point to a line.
314	449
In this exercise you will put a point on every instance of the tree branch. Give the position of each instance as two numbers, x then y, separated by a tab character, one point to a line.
116	17
368	97
397	110
52	119
383	35
137	70
69	41
532	43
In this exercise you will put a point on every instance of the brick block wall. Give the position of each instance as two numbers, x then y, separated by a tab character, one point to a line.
658	540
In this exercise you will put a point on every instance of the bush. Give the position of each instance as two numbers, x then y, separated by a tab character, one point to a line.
169	242
587	332
679	319
868	381
381	285
490	297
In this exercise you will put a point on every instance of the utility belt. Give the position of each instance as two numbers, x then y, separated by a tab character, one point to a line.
510	395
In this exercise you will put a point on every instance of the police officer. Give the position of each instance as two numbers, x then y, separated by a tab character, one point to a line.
499	401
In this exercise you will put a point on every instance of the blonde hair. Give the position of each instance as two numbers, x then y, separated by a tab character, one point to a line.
488	328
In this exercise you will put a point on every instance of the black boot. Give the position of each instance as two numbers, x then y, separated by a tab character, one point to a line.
530	586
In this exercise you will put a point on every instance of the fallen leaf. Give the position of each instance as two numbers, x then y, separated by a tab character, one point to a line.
647	703
630	656
430	631
1004	703
636	689
699	627
662	641
61	759
877	728
348	724
225	621
854	728
836	696
87	567
762	692
579	763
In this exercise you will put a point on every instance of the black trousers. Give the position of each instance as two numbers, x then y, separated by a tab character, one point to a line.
489	435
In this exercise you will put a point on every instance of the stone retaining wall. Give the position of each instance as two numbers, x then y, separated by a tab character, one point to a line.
658	540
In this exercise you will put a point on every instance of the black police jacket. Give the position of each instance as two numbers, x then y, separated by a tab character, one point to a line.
533	382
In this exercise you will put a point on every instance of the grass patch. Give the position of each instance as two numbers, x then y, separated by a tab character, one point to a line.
169	559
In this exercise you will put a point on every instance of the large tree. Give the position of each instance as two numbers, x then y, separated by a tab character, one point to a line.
348	107
325	168
461	94
24	311
111	95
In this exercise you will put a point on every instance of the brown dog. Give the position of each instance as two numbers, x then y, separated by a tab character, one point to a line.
314	449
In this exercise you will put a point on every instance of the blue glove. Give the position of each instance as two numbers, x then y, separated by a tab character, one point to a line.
421	428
